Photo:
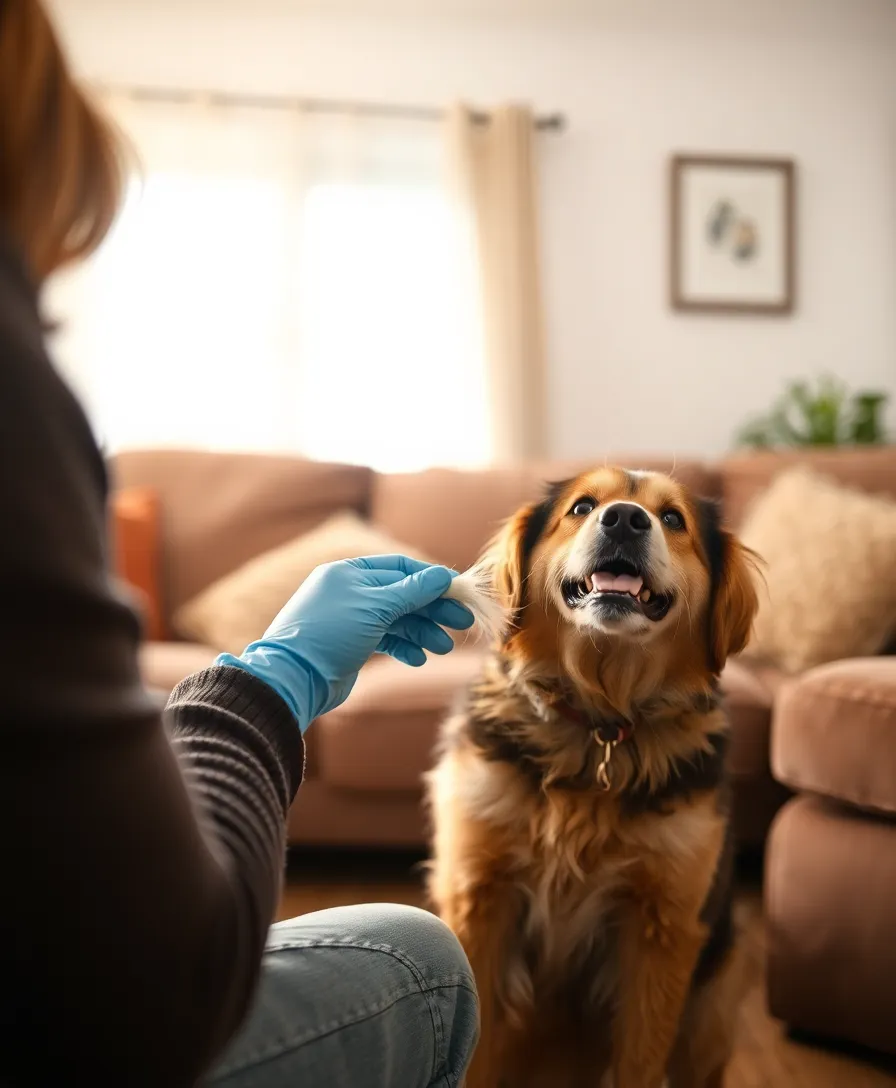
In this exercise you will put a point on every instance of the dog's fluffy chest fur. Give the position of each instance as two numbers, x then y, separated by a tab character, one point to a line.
572	860
526	801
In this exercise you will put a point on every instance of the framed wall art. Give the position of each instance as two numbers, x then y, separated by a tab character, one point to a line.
732	234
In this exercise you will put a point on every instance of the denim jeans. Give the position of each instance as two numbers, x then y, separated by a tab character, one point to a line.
374	996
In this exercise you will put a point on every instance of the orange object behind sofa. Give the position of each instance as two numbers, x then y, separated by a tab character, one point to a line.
136	542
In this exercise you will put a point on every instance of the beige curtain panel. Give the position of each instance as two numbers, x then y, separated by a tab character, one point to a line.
495	181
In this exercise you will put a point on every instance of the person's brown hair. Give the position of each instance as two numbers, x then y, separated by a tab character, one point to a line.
61	163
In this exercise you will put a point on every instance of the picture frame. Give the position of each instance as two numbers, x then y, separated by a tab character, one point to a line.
732	234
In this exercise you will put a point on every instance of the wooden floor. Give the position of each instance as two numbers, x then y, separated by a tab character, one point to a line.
766	1057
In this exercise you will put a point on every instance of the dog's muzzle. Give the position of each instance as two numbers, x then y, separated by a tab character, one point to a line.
619	580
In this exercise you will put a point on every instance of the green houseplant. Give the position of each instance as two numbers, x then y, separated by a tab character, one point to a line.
827	415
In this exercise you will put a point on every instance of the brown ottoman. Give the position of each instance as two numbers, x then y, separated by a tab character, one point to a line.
830	886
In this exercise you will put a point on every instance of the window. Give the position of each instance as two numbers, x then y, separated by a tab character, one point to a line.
389	363
282	283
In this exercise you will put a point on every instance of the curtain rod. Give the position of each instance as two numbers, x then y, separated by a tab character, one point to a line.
550	122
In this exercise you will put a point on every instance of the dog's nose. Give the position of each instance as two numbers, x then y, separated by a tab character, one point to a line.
624	521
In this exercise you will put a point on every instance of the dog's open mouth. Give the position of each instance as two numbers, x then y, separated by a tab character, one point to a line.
621	585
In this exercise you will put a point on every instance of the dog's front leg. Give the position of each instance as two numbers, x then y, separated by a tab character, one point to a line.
657	955
485	922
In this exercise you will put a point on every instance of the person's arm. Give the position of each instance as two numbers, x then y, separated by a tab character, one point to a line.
142	865
139	877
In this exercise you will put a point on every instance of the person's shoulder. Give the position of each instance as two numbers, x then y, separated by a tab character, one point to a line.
21	335
37	407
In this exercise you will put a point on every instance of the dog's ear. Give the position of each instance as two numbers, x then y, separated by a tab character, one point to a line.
733	598
735	604
508	555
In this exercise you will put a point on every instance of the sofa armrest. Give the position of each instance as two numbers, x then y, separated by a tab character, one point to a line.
834	733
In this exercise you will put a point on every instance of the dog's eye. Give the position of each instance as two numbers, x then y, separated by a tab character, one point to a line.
672	519
583	508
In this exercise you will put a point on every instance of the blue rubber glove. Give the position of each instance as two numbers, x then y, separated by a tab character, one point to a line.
342	614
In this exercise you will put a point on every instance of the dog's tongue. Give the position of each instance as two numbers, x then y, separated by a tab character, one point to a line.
605	582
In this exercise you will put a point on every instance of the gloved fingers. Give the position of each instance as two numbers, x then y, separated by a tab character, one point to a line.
416	591
402	650
404	564
445	612
379	578
423	632
448	613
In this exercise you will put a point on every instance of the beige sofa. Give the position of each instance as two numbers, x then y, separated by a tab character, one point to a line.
830	874
365	759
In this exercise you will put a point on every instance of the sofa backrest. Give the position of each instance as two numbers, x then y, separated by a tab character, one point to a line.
745	476
221	509
451	514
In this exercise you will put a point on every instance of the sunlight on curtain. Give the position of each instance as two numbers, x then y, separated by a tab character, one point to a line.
389	362
285	283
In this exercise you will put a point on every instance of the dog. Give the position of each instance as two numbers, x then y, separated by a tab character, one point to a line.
582	838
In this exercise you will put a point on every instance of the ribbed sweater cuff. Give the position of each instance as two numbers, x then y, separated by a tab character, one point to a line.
250	699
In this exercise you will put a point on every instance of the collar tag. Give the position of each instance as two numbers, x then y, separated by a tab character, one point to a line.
603	769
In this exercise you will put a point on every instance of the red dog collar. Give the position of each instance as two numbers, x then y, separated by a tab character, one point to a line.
607	732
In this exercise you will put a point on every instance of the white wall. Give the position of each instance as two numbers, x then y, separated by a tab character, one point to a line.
811	79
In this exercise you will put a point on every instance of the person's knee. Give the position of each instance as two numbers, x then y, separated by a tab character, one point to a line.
380	994
426	938
421	958
441	961
417	936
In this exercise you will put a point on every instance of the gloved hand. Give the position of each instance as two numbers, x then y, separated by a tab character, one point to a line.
340	615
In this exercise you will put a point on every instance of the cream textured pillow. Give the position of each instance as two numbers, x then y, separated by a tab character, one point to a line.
830	569
237	609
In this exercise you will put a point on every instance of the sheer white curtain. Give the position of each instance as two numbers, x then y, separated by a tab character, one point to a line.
286	282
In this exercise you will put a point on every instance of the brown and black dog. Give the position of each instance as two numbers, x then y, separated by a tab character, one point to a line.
582	846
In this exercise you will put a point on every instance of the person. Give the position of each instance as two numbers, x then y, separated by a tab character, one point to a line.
143	854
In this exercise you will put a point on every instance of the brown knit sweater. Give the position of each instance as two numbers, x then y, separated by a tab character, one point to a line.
141	857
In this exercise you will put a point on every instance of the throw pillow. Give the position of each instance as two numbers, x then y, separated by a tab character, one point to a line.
237	609
830	571
134	517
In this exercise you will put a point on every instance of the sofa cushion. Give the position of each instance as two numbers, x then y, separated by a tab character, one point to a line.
384	736
749	691
834	733
238	608
164	664
745	476
830	578
221	509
